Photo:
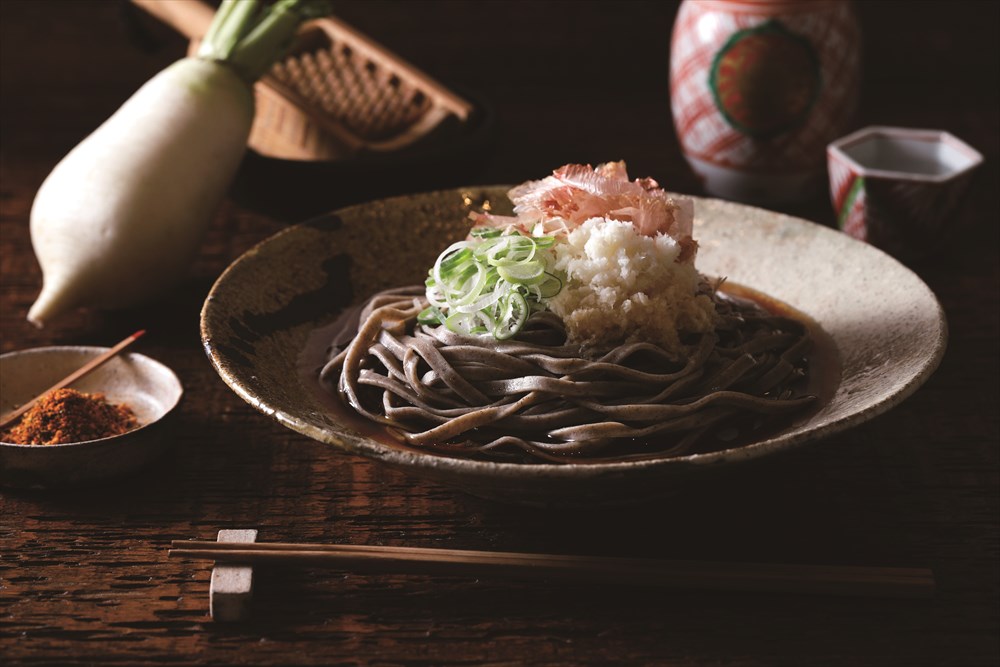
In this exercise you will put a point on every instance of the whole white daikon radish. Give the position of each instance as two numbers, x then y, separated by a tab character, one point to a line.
122	216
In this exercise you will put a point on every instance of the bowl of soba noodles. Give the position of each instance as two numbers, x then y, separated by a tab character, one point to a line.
581	339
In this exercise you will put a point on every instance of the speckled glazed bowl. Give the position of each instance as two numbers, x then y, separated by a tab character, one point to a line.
145	385
886	324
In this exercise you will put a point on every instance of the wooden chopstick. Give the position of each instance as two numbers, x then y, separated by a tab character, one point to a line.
761	577
90	366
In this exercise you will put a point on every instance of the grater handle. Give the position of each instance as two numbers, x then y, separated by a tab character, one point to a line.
191	18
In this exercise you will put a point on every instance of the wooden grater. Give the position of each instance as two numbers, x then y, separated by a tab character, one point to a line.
338	93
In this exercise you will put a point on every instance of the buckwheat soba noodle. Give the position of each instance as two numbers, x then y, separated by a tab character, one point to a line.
577	330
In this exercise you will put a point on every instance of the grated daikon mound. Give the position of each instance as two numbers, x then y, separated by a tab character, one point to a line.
624	287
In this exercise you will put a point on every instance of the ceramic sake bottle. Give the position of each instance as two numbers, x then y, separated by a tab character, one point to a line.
759	88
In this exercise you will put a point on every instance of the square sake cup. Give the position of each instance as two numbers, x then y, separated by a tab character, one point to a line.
899	188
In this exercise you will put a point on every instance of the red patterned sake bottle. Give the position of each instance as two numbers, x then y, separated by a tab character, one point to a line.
759	88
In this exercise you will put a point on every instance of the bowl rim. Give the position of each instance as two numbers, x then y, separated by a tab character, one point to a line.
403	458
96	350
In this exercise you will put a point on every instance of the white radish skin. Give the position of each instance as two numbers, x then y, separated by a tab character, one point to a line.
122	216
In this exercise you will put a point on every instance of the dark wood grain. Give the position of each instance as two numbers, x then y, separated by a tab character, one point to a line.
84	576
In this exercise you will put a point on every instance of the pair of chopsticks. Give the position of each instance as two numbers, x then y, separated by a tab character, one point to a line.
87	368
759	577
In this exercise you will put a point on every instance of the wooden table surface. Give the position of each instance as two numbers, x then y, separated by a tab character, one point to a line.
84	577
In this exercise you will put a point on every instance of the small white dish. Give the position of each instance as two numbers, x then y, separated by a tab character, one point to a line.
148	387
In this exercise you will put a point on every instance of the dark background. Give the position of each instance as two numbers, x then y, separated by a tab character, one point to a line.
83	575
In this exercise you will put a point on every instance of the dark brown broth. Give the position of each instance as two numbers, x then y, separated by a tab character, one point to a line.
823	358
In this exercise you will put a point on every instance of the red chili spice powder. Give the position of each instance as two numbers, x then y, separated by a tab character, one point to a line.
68	415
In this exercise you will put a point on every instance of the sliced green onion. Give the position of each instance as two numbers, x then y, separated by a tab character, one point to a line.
431	315
485	232
549	287
515	315
490	283
522	273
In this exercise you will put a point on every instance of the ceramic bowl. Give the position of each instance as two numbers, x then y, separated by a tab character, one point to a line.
899	188
147	386
886	325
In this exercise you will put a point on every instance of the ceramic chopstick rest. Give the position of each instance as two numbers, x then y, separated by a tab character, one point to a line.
231	590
